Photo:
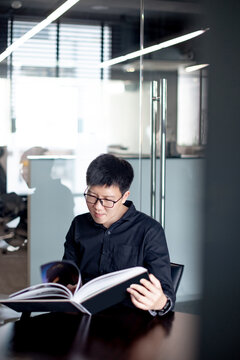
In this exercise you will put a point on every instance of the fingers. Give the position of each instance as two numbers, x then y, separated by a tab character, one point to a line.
147	294
153	285
155	281
72	288
139	292
138	304
139	300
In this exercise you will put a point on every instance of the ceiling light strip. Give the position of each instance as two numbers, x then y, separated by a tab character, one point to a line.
195	67
37	28
152	48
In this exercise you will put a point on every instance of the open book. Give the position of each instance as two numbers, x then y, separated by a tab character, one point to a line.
92	297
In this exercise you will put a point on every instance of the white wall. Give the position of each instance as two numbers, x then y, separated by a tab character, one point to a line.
184	215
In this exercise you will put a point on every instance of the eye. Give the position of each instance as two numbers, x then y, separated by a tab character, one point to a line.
90	198
107	203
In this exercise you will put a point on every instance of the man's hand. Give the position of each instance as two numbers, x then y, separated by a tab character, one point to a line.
149	295
72	288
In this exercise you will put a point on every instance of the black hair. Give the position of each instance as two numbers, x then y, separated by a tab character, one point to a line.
109	170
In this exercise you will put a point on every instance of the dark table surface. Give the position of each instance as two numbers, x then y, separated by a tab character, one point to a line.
119	333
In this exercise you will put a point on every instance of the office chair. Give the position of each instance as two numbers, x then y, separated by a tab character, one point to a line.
176	273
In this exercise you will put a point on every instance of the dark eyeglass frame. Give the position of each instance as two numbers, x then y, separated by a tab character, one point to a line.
101	200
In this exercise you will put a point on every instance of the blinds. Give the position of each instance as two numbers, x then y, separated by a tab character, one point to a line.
80	50
37	56
64	50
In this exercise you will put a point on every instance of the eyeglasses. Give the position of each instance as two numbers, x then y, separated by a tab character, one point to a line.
91	199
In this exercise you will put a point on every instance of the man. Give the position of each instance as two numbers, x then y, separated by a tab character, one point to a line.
114	236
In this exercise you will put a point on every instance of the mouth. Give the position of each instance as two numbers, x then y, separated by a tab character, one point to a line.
98	215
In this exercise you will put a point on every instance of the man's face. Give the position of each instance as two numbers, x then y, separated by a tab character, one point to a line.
104	215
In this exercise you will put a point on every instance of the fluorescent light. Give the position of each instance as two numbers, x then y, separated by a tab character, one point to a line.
152	48
49	19
195	67
130	68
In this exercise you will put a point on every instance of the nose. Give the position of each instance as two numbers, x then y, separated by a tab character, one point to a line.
98	204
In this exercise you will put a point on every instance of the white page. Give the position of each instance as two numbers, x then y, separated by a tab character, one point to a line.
40	290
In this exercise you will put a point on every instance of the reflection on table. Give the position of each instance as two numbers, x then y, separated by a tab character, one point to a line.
119	333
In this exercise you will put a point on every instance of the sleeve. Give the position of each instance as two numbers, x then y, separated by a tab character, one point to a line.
71	250
157	261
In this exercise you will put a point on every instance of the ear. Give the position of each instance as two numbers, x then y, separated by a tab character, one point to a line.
125	196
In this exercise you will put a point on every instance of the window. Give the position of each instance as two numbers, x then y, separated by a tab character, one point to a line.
45	73
62	50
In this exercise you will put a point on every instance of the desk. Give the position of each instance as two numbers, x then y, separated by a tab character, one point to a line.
118	333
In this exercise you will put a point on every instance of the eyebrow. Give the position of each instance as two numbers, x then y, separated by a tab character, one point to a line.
104	196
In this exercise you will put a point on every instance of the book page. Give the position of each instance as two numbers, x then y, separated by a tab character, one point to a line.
106	281
41	291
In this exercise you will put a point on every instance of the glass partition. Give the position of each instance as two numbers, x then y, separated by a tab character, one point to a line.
177	188
62	105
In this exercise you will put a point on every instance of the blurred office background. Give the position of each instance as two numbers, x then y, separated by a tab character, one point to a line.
59	109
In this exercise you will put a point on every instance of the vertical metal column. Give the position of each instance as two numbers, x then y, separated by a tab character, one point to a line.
154	121
163	130
158	132
57	48
12	92
102	50
141	102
